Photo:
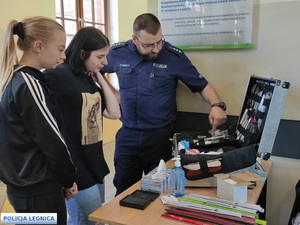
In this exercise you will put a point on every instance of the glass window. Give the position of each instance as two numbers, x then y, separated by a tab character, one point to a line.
69	9
99	11
58	8
87	10
75	14
70	27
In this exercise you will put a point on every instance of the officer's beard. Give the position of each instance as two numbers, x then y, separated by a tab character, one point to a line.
149	58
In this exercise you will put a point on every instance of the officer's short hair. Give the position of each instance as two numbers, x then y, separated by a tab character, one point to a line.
147	22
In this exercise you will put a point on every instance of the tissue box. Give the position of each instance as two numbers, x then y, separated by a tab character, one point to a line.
234	187
159	185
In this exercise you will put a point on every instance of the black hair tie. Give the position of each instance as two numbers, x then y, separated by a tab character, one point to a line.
18	30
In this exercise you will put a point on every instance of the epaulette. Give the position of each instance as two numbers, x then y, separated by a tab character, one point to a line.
175	50
119	45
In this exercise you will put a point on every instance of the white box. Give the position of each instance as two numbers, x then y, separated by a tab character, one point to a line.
156	185
236	191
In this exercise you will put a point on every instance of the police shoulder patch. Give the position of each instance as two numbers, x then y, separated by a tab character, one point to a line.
174	49
119	45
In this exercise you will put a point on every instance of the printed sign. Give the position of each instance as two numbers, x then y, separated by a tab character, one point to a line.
28	218
207	24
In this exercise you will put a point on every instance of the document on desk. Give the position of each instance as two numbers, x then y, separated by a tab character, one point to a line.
215	210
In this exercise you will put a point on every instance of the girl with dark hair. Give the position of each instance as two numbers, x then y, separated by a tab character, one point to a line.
35	163
84	96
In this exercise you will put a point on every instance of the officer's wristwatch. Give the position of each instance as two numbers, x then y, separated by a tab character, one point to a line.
222	105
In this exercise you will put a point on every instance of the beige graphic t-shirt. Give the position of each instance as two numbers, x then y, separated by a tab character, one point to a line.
91	118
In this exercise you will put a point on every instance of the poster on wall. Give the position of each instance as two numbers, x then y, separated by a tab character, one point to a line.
207	24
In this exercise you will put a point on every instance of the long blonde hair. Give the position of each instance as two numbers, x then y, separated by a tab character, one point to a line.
32	29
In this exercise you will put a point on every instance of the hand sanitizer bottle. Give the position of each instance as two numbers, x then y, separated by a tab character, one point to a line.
177	179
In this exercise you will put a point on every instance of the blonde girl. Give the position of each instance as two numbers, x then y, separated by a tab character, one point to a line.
35	163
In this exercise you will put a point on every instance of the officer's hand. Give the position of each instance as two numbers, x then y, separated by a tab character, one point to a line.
217	117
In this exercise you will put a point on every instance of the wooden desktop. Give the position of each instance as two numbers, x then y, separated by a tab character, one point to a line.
113	213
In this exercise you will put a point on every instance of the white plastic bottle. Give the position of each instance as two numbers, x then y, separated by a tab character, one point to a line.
177	179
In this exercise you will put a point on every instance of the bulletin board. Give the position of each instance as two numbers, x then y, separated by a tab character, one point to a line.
207	24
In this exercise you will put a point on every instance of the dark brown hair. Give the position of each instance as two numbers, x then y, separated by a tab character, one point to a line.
147	22
87	39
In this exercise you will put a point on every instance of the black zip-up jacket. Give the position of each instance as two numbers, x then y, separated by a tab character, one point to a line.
34	158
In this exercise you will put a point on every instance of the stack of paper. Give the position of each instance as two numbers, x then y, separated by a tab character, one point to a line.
199	209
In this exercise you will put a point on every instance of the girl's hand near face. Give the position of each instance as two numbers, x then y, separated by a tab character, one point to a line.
112	97
97	77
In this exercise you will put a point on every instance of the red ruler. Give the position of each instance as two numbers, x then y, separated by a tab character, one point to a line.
185	220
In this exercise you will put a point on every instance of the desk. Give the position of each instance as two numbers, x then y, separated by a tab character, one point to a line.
113	213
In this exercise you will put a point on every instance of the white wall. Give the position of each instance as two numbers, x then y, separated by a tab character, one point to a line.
113	31
281	192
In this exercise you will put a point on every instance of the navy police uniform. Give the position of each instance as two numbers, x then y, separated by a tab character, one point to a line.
148	105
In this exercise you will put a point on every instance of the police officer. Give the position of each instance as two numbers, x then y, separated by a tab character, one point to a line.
148	69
